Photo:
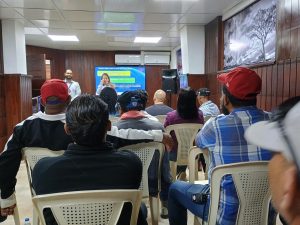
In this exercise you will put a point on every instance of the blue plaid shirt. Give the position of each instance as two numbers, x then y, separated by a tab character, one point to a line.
224	138
209	109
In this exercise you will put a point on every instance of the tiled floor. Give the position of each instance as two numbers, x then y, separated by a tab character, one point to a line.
25	204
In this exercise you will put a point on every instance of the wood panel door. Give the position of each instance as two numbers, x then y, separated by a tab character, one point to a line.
36	67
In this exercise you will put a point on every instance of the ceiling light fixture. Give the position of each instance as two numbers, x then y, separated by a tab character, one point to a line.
147	39
63	37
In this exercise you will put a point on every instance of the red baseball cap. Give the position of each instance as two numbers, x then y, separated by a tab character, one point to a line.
54	87
242	83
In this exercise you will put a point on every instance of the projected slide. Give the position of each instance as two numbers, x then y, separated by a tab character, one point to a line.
127	78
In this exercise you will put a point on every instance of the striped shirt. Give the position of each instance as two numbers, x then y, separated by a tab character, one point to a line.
224	138
209	109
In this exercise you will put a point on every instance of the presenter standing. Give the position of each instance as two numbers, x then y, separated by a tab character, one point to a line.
105	82
73	86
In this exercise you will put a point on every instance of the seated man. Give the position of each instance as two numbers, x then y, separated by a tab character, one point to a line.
223	137
131	105
159	108
207	106
46	130
281	135
91	163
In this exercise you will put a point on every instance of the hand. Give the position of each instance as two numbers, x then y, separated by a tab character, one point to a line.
8	211
167	141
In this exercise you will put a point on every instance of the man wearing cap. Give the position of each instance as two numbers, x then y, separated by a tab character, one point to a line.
73	86
207	106
223	139
131	107
281	135
46	130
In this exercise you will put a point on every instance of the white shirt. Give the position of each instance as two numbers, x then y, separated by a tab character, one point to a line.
74	88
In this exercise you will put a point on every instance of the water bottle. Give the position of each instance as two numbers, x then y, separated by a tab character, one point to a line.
27	221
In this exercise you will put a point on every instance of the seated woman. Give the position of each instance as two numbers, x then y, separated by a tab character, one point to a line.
105	82
109	96
187	112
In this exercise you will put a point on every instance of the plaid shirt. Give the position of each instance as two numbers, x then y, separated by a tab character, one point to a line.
224	138
209	109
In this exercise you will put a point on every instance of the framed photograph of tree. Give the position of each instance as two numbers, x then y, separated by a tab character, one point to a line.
250	35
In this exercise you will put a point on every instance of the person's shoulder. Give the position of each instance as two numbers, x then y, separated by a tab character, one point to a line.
128	156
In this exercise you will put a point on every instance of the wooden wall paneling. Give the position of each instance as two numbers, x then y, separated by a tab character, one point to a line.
26	96
293	77
3	130
286	79
269	88
258	71
215	88
17	99
154	82
83	64
213	46
56	57
1	52
264	87
274	85
298	77
280	82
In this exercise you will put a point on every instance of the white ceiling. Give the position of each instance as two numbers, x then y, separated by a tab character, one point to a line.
110	24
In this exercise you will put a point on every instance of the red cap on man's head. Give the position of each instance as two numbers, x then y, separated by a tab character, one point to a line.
242	83
54	87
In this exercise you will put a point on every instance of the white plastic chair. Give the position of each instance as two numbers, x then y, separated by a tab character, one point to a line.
185	134
88	207
193	163
32	155
252	186
145	151
161	118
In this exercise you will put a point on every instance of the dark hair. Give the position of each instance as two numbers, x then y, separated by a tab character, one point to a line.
87	119
105	74
279	113
131	100
109	96
186	104
238	102
144	97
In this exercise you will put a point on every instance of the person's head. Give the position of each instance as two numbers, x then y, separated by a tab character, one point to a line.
87	120
186	104
68	74
240	88
129	101
281	135
144	97
203	95
109	96
105	79
55	96
159	97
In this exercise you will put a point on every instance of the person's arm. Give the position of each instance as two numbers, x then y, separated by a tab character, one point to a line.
10	160
78	90
99	88
123	137
206	137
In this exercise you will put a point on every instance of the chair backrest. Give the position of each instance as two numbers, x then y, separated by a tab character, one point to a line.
88	207
194	152
32	155
145	151
161	118
251	182
185	135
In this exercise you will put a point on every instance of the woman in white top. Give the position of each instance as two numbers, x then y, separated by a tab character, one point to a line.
105	82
